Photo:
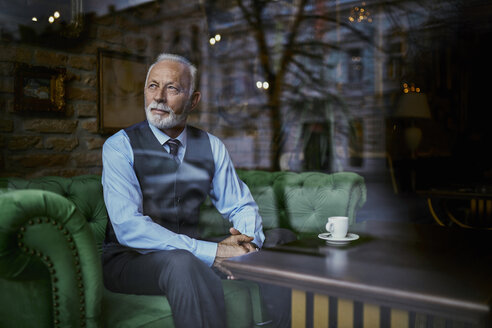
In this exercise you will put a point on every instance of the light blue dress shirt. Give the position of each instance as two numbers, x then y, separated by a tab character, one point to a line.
123	198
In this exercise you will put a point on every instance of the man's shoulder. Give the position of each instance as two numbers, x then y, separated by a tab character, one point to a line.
117	139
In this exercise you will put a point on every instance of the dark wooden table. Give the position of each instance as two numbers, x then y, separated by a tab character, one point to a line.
438	271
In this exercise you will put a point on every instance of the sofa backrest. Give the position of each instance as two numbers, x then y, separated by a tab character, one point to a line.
299	201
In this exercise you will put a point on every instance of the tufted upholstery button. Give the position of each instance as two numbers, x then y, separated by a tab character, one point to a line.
30	222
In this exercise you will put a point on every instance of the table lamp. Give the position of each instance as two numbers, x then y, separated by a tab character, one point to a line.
413	105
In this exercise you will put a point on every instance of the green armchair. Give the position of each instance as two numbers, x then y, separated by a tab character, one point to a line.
52	229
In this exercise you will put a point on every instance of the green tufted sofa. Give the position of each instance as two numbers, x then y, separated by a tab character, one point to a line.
52	229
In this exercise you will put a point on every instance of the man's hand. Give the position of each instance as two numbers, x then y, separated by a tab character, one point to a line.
234	245
252	247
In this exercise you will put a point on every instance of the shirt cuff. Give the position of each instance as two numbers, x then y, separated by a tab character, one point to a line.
258	242
206	251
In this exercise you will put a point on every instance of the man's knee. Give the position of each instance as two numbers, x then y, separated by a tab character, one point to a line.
183	261
181	265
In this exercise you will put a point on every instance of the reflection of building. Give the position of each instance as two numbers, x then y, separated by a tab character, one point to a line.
350	84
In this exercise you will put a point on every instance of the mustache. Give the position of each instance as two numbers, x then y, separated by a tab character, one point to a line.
159	106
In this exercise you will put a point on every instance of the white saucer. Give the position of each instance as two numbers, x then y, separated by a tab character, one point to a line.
339	241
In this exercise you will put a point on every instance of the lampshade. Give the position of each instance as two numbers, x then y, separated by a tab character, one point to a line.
413	105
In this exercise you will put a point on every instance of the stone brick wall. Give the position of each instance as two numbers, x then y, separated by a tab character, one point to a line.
37	143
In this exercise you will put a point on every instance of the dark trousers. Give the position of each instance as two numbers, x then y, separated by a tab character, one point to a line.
193	289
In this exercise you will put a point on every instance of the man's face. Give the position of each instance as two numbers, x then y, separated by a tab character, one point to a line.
167	95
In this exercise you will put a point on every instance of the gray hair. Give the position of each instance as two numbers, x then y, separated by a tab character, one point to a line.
179	59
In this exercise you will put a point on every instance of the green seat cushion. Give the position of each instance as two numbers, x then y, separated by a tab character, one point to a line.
131	311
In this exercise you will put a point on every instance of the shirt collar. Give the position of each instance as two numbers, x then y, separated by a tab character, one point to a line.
163	138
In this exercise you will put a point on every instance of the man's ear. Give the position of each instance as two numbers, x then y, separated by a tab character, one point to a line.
195	99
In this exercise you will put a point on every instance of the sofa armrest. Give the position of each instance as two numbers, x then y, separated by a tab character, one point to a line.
41	231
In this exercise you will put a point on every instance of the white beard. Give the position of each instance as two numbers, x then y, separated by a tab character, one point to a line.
164	122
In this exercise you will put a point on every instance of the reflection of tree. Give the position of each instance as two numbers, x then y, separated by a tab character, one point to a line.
299	48
294	64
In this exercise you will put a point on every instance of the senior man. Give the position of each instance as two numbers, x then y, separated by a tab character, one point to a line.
156	174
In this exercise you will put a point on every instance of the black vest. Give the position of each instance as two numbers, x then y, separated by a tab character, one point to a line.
172	193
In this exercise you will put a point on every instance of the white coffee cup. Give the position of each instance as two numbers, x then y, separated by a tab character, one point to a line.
337	226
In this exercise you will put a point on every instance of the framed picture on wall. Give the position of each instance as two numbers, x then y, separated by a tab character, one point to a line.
39	89
121	79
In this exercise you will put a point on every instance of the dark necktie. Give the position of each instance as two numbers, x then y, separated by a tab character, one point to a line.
173	148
